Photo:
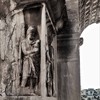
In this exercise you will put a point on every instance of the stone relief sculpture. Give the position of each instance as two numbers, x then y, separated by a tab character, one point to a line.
50	69
24	44
69	18
50	63
31	58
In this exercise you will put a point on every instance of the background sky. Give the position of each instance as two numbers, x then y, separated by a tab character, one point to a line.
90	57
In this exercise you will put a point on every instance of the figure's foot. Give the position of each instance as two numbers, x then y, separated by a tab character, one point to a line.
37	93
32	94
54	95
23	84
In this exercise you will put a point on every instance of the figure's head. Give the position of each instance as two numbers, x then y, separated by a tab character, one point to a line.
31	33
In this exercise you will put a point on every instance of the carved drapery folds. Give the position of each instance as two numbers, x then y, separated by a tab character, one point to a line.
23	53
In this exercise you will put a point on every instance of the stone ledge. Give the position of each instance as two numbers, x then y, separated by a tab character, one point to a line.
27	98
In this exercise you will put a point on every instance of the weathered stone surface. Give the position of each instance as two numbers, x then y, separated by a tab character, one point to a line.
68	19
89	12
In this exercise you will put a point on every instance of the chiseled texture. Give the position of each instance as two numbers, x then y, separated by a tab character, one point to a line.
77	15
89	12
85	11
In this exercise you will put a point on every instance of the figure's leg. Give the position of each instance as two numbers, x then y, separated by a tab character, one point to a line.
35	73
25	74
49	82
24	81
24	77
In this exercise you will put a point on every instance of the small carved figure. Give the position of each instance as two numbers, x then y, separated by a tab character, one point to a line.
31	59
50	68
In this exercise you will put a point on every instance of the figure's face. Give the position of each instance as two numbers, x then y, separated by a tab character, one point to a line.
31	34
13	5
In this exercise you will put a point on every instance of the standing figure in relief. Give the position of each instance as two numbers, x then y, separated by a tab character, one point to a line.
31	58
50	70
50	65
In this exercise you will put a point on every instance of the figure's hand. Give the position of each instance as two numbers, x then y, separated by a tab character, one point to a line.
36	43
36	49
33	50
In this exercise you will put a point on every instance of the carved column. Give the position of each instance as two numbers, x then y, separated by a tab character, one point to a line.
43	52
68	67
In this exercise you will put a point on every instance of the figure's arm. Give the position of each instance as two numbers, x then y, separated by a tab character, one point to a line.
48	56
24	48
29	51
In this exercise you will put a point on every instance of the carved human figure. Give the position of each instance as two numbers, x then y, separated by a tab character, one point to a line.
31	59
50	66
50	69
